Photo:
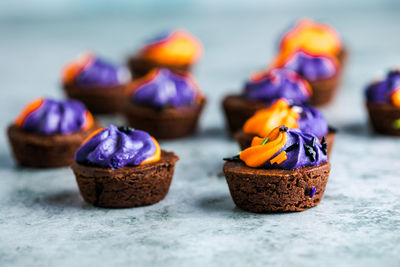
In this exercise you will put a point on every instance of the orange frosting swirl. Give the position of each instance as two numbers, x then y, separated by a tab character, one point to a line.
265	120
176	49
263	149
312	37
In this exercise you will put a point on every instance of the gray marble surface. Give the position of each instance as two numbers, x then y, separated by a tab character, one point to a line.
45	222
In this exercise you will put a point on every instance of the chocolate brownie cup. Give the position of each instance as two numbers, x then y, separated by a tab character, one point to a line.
164	103
100	85
286	171
315	52
260	91
383	104
48	132
122	168
176	50
304	117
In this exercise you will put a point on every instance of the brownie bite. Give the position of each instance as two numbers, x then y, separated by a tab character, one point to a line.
120	167
260	91
100	85
285	171
176	50
48	132
166	104
383	104
304	117
314	51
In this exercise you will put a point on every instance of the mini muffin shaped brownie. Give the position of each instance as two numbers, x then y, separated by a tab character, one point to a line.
164	103
122	167
304	117
315	52
260	91
383	104
97	83
286	171
176	50
48	132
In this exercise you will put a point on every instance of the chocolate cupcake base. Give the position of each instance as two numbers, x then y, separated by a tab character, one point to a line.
128	186
45	151
384	118
238	110
140	67
167	123
108	100
244	140
267	191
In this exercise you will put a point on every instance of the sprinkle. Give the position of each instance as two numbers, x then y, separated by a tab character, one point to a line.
233	159
292	147
264	141
310	152
126	129
396	124
279	159
312	193
283	129
324	145
313	141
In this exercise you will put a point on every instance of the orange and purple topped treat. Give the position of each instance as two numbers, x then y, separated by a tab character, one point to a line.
383	103
48	132
164	103
315	52
177	50
96	82
115	147
285	171
48	116
386	91
123	167
92	72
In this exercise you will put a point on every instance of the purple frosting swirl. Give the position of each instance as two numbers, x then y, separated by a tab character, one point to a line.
311	67
116	147
381	91
100	73
166	89
311	120
278	83
302	150
56	117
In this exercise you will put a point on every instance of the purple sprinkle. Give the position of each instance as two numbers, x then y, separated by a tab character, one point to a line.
313	191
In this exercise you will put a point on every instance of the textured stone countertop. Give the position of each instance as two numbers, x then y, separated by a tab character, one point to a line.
45	222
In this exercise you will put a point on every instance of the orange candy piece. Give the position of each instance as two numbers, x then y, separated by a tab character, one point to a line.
259	153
